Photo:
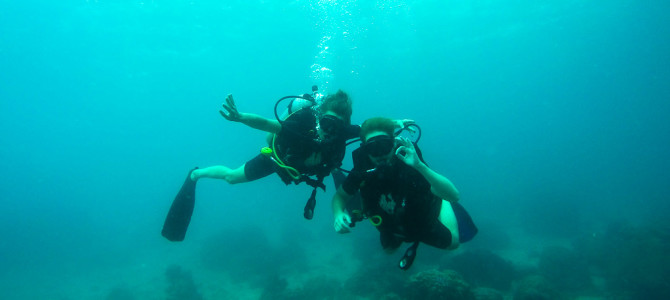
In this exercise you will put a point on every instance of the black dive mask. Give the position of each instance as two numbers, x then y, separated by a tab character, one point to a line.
332	127
379	145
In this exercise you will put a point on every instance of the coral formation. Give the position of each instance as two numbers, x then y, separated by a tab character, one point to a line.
375	281
633	260
180	284
482	293
434	284
257	262
484	268
274	287
535	287
317	288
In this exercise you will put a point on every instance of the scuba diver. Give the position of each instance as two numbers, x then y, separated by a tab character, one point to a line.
401	196
305	145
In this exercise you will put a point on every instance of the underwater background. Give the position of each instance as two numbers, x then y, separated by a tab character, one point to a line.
551	117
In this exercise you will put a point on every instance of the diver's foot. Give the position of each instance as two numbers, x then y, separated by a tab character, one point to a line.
195	174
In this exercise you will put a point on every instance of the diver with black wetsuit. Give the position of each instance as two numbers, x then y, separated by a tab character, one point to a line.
403	198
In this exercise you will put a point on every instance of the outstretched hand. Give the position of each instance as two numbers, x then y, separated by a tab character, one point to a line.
342	221
407	123
404	123
230	113
407	154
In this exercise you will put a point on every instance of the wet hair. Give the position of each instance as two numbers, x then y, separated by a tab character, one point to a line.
338	103
382	124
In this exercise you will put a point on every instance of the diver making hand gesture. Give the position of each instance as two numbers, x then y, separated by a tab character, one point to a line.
401	196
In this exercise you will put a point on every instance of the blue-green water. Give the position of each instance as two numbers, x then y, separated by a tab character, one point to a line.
551	117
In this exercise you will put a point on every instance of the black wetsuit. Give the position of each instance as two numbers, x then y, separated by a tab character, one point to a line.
296	142
401	196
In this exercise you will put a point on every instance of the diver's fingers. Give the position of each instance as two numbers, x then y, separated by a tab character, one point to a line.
404	141
223	114
407	143
342	224
226	110
232	111
401	152
226	106
410	145
338	227
231	102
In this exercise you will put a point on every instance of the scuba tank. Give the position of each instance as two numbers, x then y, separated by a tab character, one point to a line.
304	101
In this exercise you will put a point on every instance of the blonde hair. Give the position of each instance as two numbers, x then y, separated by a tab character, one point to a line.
338	103
382	124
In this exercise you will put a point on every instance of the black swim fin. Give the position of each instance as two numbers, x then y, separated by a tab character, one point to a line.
309	206
179	216
408	259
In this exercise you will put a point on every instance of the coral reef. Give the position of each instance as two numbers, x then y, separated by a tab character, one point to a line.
274	287
434	284
484	268
317	288
375	281
180	284
247	255
633	260
535	287
482	293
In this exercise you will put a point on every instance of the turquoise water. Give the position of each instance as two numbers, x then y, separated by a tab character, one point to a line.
551	117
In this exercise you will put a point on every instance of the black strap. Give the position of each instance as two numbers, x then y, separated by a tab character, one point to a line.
315	183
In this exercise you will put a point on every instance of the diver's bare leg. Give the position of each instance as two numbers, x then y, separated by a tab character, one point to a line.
232	176
448	219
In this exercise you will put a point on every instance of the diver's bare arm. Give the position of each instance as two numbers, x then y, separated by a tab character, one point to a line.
340	215
340	200
230	113
260	123
439	185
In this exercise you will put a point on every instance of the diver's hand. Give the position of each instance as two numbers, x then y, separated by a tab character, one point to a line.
407	154
342	221
230	113
404	123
